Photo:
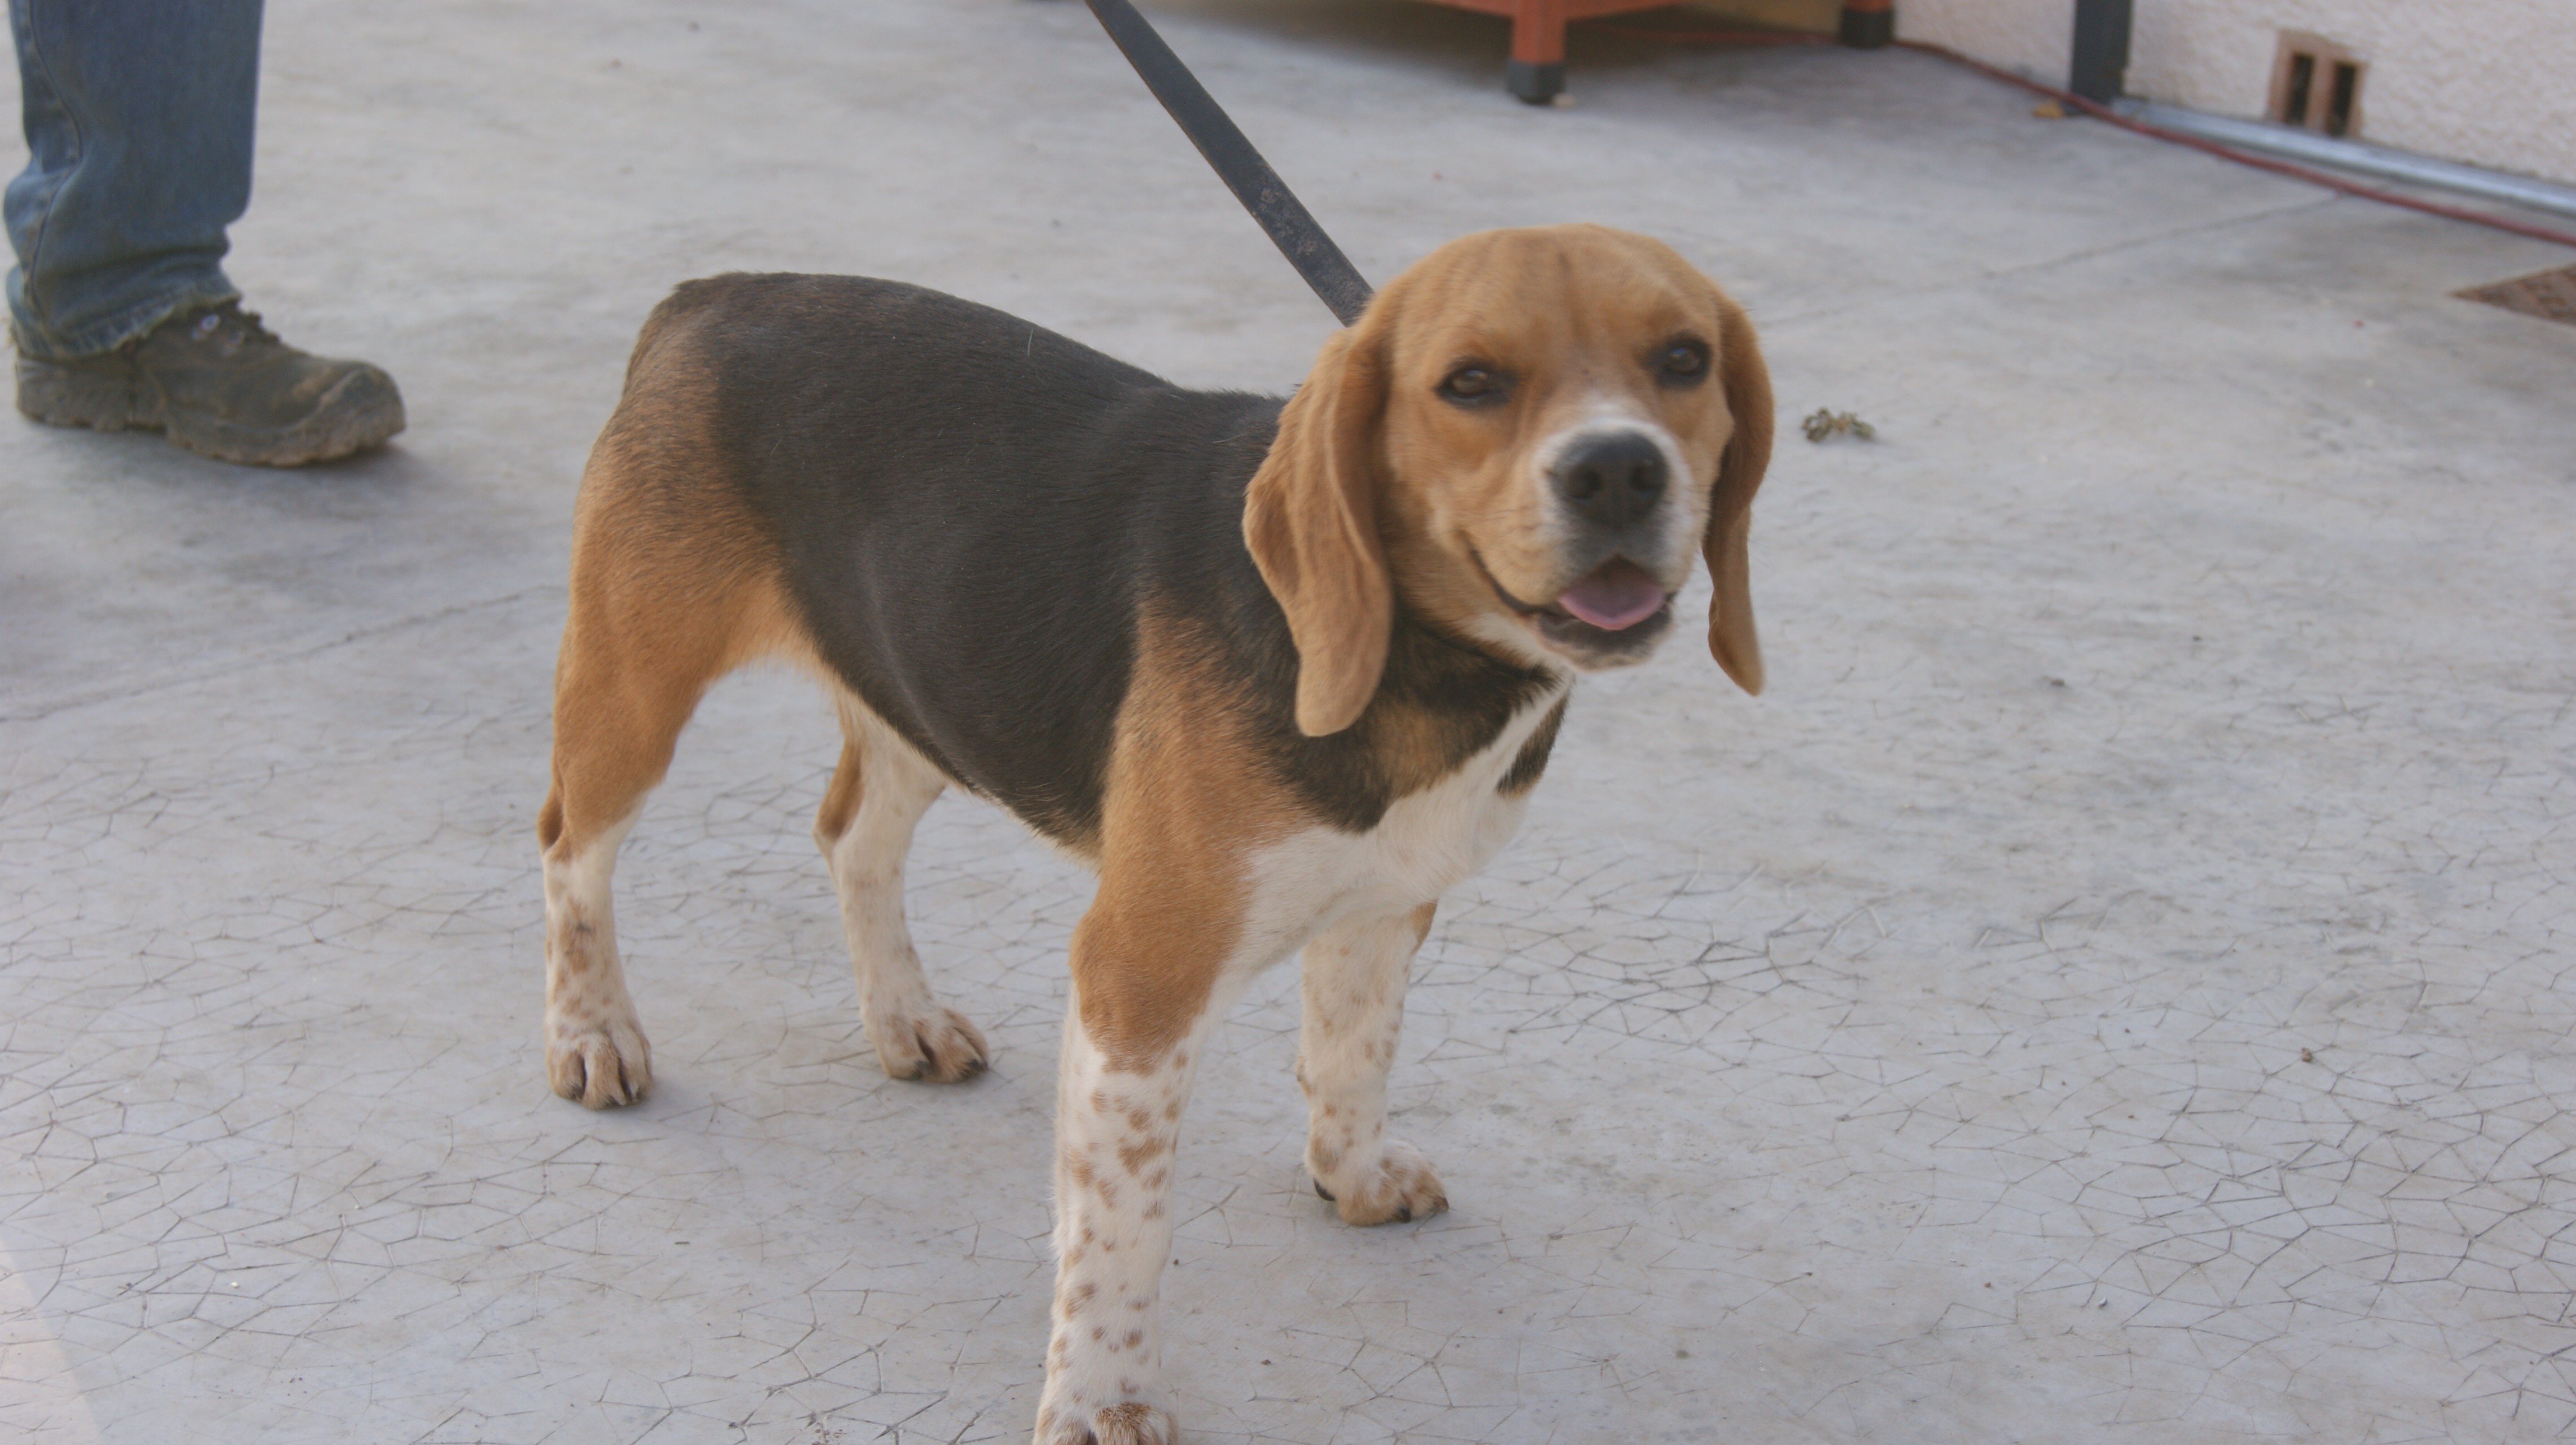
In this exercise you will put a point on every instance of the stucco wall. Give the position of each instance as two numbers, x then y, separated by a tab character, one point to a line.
2490	82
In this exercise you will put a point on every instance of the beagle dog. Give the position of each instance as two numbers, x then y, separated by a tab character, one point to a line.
1279	673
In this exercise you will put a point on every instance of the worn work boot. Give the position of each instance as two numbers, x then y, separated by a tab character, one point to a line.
217	383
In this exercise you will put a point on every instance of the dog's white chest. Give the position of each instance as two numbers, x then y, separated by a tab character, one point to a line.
1427	843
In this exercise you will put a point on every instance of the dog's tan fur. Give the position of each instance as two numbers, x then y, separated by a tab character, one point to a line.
1185	785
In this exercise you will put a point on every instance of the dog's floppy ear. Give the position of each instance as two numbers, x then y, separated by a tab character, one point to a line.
1731	637
1310	518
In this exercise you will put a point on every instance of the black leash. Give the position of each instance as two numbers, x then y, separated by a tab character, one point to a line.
1292	228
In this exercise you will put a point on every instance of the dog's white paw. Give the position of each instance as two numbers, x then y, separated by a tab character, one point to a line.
1068	1421
936	1044
598	1061
1400	1186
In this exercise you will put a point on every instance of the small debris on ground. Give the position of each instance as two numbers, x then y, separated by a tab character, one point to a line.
2049	110
2307	1056
2550	295
1825	423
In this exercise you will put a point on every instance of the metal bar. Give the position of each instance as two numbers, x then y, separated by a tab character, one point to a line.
2353	155
1291	227
2127	116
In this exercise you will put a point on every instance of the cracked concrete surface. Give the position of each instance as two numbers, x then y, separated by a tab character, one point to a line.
2112	988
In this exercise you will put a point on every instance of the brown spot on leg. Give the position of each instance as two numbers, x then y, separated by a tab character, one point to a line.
841	796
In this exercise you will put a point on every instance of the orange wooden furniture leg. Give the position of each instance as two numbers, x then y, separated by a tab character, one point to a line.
1537	71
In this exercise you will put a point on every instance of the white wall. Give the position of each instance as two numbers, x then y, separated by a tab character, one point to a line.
2490	82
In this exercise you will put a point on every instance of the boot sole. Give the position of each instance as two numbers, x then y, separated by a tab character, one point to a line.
66	396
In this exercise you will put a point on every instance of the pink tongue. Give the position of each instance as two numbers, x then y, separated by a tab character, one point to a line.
1615	596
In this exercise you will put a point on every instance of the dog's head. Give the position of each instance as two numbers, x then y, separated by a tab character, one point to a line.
1528	434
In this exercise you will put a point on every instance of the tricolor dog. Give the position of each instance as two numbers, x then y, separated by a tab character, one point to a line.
1279	673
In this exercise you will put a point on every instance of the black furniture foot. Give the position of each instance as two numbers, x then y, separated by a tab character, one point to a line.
1537	82
1868	27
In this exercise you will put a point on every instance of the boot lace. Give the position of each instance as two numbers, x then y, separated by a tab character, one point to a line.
230	328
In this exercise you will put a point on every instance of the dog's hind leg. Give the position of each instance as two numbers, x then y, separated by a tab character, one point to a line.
671	590
613	741
864	828
636	659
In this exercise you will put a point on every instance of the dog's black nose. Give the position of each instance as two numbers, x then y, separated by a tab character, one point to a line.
1611	480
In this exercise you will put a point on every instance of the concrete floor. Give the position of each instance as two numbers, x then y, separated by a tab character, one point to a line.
2113	987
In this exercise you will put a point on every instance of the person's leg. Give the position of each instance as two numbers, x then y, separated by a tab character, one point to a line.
139	121
139	118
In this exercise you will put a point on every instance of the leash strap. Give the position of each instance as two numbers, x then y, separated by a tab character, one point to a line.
1292	228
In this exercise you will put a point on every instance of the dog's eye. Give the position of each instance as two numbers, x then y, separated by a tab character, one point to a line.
1475	385
1684	362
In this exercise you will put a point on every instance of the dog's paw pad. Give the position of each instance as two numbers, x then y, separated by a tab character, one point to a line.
599	1065
939	1046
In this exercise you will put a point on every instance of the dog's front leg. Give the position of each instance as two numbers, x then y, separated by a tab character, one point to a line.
1353	977
1118	1124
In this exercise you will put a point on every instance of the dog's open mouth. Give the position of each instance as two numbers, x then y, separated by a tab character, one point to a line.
1616	597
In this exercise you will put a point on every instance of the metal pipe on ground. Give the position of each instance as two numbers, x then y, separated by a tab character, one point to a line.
2353	155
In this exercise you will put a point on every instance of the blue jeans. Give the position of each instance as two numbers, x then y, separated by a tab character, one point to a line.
138	117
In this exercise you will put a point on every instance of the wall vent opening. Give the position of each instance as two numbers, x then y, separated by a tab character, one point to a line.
2303	74
2316	85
